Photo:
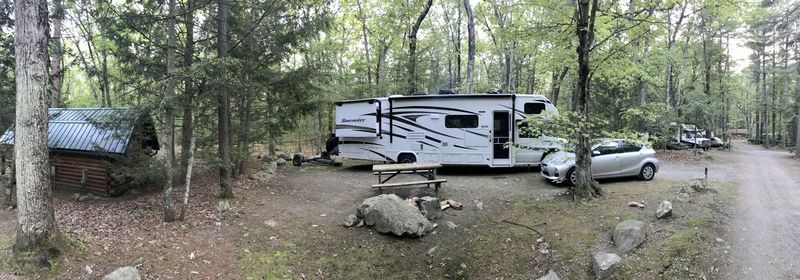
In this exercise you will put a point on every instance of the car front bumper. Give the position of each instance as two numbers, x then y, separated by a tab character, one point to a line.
554	172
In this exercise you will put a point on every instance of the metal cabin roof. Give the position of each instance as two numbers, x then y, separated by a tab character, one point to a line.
95	130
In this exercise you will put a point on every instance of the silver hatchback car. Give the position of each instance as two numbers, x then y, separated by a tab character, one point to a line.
610	158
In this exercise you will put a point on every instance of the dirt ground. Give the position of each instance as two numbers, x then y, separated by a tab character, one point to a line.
291	228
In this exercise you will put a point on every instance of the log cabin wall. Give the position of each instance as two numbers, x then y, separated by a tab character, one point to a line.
69	171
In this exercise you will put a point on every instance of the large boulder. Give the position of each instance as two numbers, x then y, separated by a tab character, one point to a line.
124	273
550	276
629	235
430	207
388	213
664	209
605	264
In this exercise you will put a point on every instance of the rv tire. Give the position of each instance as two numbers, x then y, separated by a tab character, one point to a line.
406	158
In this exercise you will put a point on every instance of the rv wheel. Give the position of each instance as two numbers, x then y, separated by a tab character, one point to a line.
406	158
297	160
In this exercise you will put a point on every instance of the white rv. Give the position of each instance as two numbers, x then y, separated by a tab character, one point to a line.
448	129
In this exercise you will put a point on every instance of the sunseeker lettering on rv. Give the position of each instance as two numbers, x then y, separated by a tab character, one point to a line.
346	120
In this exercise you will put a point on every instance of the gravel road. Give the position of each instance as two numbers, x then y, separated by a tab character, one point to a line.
767	224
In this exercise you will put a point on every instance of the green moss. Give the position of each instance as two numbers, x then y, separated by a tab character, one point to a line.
265	265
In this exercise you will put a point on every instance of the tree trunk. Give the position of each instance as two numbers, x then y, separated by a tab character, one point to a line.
585	187
36	225
365	32
106	85
555	87
169	116
412	48
189	166
797	103
12	183
223	103
188	88
470	46
458	48
57	78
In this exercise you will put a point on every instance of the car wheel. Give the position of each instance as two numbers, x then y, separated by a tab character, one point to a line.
648	172
406	158
572	178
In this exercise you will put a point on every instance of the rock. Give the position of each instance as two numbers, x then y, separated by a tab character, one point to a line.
683	197
261	176
664	209
284	156
388	213
223	206
629	235
605	264
124	273
271	167
479	205
430	207
636	204
269	158
76	196
84	198
280	162
451	225
351	220
431	251
551	275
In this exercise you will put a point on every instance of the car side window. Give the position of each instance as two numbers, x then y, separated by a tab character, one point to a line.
630	146
608	147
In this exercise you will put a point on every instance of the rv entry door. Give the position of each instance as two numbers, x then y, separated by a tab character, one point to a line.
501	134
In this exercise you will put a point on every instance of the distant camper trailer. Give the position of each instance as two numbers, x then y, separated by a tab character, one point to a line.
452	129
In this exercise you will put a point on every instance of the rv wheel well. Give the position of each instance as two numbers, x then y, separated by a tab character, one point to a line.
406	158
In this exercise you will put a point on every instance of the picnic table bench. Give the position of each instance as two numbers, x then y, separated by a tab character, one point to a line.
426	170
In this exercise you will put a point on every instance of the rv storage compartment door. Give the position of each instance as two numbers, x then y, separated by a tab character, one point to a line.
357	119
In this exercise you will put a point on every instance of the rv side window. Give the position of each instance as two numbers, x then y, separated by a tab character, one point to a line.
461	121
534	108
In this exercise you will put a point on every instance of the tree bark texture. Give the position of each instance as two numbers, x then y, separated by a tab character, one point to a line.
223	103
189	166
36	225
57	78
188	87
169	115
470	46
586	12
412	48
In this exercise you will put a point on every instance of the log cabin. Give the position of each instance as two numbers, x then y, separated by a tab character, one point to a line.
85	142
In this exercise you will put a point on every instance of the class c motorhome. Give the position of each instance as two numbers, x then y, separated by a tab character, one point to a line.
458	129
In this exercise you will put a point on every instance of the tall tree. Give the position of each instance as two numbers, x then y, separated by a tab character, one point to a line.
169	115
223	102
36	225
586	13
58	55
187	126
470	46
412	47
365	33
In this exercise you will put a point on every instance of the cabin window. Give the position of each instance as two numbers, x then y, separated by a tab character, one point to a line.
534	108
461	121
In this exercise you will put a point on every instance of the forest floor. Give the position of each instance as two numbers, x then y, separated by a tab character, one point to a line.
290	227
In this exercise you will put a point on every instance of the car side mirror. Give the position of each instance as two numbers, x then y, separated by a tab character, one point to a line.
595	153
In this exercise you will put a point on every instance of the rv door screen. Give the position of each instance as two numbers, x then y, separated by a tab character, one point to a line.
501	133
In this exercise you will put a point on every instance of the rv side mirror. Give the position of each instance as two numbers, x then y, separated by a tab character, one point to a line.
595	153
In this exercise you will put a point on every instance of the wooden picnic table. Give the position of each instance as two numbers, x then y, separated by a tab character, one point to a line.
426	170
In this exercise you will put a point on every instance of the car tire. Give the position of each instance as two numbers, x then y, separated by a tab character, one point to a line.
406	158
648	172
571	178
